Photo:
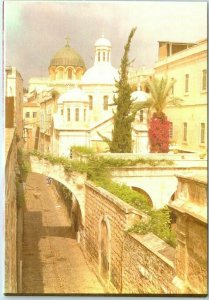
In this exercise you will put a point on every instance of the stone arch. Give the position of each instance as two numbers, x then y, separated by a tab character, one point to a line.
105	249
74	182
144	193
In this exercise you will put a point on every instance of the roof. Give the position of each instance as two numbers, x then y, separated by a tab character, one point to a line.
100	73
102	42
30	104
67	56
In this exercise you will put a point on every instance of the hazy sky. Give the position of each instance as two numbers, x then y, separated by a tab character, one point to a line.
34	31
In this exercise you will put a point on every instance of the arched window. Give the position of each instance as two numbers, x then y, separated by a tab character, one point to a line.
98	56
103	56
68	114
90	102
108	56
70	73
105	103
59	74
141	116
84	115
77	114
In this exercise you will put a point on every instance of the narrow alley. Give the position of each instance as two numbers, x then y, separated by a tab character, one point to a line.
52	260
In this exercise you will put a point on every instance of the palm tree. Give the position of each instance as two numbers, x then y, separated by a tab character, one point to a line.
160	97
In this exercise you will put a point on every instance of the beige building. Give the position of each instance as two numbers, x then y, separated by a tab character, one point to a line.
14	100
138	76
31	124
187	64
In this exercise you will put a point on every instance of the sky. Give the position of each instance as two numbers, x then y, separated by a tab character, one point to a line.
35	30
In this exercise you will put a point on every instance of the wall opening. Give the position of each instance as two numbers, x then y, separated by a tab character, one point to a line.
104	250
142	192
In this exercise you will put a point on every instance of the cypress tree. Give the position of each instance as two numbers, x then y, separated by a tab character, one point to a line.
123	116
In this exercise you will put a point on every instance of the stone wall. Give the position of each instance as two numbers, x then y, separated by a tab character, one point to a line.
147	265
103	207
133	263
190	208
10	213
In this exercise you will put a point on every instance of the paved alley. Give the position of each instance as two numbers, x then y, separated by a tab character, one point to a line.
52	259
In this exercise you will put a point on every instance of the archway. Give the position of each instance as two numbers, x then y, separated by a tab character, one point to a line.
142	192
104	249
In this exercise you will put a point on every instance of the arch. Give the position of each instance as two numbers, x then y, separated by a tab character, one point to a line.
79	73
71	181
69	72
104	243
60	72
144	193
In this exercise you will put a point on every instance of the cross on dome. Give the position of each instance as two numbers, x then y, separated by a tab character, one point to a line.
68	41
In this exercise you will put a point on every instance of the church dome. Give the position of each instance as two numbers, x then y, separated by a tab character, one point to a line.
100	74
67	56
73	95
102	42
139	96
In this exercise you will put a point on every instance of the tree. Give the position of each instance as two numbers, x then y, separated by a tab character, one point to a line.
123	116
160	98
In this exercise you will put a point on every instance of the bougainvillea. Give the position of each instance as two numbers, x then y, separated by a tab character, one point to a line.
159	133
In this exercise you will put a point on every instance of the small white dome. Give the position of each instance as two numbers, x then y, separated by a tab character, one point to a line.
102	42
139	96
74	95
100	74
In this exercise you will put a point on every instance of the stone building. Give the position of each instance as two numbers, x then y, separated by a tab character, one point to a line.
187	64
14	100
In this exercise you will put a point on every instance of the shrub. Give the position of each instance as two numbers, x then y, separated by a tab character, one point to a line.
82	150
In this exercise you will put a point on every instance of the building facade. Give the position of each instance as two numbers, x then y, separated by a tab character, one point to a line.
75	103
14	100
188	66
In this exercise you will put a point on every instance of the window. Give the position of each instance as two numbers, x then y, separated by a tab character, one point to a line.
108	55
69	73
61	111
68	114
171	130
103	56
98	56
105	103
202	133
185	132
84	115
77	114
141	115
186	83
27	114
204	79
172	89
34	114
90	102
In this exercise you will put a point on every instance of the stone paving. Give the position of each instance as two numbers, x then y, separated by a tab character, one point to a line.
52	260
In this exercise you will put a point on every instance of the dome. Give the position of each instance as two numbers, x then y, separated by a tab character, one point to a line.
74	95
67	56
100	74
102	42
139	96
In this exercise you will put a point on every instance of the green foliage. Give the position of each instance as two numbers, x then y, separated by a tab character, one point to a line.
123	117
82	150
159	224
160	94
98	170
24	163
